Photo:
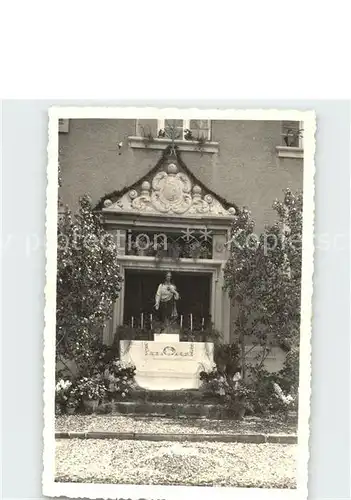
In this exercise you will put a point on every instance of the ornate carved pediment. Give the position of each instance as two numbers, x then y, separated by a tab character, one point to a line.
169	192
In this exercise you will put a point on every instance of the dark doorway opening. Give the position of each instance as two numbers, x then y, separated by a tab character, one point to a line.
141	287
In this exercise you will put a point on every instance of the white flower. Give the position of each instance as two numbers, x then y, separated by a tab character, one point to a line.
237	377
287	400
62	385
278	390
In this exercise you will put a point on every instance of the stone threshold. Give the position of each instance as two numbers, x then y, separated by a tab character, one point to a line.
223	438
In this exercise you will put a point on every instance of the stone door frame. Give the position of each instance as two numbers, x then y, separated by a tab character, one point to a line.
219	303
118	224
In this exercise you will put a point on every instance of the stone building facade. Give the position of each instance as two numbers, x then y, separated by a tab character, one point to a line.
160	177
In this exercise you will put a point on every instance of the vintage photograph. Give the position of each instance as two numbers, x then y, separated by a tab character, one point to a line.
179	282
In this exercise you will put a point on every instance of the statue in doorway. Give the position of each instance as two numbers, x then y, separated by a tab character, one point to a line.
165	301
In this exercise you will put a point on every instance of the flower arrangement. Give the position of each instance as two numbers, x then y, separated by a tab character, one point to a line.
127	332
288	400
231	390
292	136
118	377
63	389
92	388
74	400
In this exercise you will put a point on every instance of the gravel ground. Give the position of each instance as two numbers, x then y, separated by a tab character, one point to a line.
205	464
116	423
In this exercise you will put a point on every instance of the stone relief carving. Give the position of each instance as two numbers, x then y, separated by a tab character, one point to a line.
169	351
170	192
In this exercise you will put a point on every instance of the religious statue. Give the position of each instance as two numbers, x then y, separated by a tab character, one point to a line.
165	301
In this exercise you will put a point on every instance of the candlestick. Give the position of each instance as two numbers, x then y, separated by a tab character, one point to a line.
191	322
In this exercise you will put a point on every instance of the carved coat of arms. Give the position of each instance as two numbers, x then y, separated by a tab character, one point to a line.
169	192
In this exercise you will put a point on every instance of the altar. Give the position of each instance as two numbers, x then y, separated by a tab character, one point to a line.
166	363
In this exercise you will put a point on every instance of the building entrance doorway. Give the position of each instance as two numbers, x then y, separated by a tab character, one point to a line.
194	289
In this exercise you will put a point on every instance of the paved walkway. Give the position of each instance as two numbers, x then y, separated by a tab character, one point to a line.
169	463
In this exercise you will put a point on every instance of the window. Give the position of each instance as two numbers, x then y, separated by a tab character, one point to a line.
292	134
169	244
184	129
180	130
190	135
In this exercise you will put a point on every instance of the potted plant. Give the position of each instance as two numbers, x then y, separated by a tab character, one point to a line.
195	250
205	252
160	251
292	136
73	401
91	391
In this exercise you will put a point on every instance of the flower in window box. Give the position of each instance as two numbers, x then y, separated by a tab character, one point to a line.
188	136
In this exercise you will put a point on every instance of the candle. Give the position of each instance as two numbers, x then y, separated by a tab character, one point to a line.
142	320
132	321
203	323
151	320
191	322
181	321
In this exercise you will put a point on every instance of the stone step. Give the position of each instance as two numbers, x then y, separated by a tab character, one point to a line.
214	411
180	396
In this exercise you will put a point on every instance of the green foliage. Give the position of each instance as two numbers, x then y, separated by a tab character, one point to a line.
258	394
107	379
263	398
90	387
263	277
227	358
224	382
63	391
200	333
118	378
231	391
88	283
272	393
127	332
288	376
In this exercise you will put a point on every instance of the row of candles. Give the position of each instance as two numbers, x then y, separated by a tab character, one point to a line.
181	320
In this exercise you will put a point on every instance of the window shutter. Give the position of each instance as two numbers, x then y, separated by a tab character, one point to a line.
146	128
64	125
